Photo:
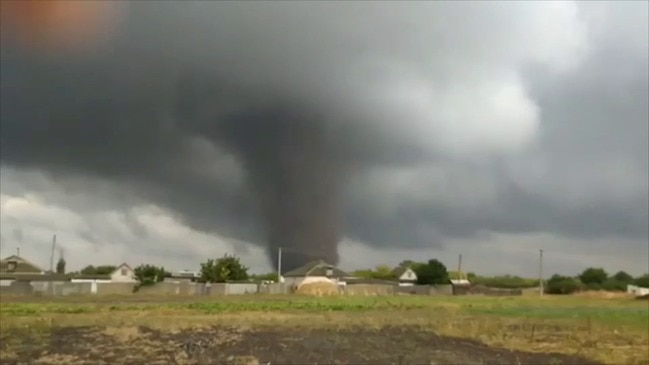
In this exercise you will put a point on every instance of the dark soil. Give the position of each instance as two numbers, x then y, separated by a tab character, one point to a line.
223	345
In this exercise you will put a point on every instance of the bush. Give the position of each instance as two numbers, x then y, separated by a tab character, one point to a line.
642	281
434	272
148	275
561	285
221	270
593	286
593	275
623	277
614	285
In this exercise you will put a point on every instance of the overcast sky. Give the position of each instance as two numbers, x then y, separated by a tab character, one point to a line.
483	128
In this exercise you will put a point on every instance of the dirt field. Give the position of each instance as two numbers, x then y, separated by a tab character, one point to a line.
290	330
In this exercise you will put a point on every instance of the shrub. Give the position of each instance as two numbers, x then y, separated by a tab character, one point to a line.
558	284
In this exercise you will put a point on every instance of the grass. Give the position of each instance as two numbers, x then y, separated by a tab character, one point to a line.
609	330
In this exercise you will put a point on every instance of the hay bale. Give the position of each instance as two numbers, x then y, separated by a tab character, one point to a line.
318	288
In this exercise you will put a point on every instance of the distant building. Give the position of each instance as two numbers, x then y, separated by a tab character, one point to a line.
405	275
123	274
182	276
16	265
638	291
460	286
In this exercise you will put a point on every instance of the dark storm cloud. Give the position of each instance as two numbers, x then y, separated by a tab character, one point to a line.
249	119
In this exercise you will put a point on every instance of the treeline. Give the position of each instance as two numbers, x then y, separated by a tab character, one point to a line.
439	274
229	268
428	273
219	270
594	279
434	272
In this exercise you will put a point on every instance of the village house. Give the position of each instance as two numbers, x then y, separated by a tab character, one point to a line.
314	271
405	276
16	265
123	274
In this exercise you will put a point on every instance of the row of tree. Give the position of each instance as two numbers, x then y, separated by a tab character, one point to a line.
434	272
229	268
428	273
594	279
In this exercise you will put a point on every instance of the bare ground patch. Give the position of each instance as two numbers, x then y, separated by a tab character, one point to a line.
249	346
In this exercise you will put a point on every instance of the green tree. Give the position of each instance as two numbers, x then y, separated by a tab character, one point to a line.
365	274
407	263
149	274
271	276
99	270
60	266
642	281
558	284
221	270
505	281
613	284
623	277
383	272
434	272
593	277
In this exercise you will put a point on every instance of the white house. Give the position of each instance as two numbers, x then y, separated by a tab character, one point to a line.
638	291
123	274
405	275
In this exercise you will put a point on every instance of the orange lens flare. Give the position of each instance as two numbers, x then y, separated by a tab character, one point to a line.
57	23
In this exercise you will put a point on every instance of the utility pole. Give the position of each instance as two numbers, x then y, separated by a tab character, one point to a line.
540	272
459	267
18	251
279	264
52	254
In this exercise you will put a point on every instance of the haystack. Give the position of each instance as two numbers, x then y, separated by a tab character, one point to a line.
317	287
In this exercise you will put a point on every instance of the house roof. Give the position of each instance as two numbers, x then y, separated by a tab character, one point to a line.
120	266
355	280
22	266
35	277
315	268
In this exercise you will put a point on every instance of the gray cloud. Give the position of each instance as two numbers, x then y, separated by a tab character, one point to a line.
453	121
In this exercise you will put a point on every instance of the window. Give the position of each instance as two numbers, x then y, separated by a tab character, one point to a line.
124	271
329	272
11	266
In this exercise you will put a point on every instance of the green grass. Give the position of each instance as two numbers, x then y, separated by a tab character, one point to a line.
629	312
603	329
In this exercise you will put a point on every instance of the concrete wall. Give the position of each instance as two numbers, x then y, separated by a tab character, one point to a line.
241	288
115	288
217	289
441	290
67	288
275	288
369	289
17	288
414	289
